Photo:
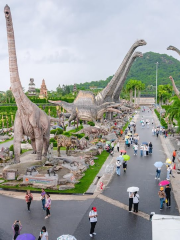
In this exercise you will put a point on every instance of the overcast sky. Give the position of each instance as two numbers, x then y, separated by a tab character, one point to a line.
73	41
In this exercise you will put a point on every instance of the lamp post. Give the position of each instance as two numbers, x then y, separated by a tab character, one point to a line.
156	80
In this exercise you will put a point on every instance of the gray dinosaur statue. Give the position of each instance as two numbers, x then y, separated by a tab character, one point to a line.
106	94
174	87
84	107
122	79
29	120
173	49
171	78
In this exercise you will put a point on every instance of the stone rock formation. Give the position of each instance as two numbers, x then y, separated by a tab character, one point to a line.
30	120
43	90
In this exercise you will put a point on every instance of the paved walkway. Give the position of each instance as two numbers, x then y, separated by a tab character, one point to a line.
114	221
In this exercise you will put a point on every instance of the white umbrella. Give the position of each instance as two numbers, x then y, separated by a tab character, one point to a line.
66	237
158	164
133	189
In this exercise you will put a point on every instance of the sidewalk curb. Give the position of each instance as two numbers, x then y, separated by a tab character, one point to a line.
167	148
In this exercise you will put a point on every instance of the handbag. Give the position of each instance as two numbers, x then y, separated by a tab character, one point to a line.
166	200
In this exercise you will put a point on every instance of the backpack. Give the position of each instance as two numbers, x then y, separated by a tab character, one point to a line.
16	229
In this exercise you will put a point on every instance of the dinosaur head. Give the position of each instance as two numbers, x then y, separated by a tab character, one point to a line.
140	42
171	78
7	12
171	48
138	54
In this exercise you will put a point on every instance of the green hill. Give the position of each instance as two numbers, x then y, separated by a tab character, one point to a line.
144	69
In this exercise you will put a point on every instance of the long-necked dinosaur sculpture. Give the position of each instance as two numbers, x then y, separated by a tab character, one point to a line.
173	49
85	108
174	87
29	120
171	78
106	94
116	93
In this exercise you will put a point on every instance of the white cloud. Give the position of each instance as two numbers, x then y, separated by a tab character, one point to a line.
73	41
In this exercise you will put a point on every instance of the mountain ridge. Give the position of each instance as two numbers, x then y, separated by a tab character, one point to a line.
144	69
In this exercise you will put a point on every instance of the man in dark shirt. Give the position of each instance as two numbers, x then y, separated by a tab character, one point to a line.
168	195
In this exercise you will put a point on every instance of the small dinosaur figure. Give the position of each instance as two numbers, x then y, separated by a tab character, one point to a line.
31	169
30	120
68	142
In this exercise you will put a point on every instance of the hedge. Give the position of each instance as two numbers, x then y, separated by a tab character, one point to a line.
161	119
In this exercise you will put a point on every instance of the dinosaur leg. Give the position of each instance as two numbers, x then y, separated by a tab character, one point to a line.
39	143
72	117
58	150
18	133
45	145
33	144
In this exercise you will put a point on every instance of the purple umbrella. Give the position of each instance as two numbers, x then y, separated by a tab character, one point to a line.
26	236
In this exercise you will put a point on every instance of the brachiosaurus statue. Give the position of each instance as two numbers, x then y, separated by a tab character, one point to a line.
106	94
174	49
174	87
122	79
29	120
171	78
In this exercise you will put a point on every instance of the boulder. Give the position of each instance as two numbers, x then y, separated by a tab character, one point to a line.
65	187
111	136
62	181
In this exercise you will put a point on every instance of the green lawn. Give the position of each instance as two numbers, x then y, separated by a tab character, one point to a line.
84	183
6	141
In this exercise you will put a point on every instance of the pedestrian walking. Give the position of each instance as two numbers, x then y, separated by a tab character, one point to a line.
118	167
136	202
157	133
168	172
141	150
118	146
144	150
43	234
112	146
135	149
134	128
16	227
168	196
131	139
28	198
43	198
93	220
162	196
150	148
152	121
48	205
174	155
158	173
124	166
147	149
131	195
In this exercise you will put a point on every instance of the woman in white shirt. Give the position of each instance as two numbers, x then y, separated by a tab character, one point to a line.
93	220
136	202
43	234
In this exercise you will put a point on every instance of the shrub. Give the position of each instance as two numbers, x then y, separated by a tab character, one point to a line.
56	131
91	123
11	148
52	140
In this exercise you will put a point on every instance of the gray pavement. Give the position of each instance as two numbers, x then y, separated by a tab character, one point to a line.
114	221
7	144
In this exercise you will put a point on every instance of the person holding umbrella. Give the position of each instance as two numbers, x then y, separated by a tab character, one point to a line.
162	196
158	173
131	191
16	227
168	195
118	167
168	172
136	202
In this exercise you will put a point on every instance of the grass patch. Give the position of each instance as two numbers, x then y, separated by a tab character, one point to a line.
84	183
6	141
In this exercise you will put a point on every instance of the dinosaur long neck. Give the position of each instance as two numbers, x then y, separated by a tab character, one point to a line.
23	103
119	86
177	50
175	88
106	93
